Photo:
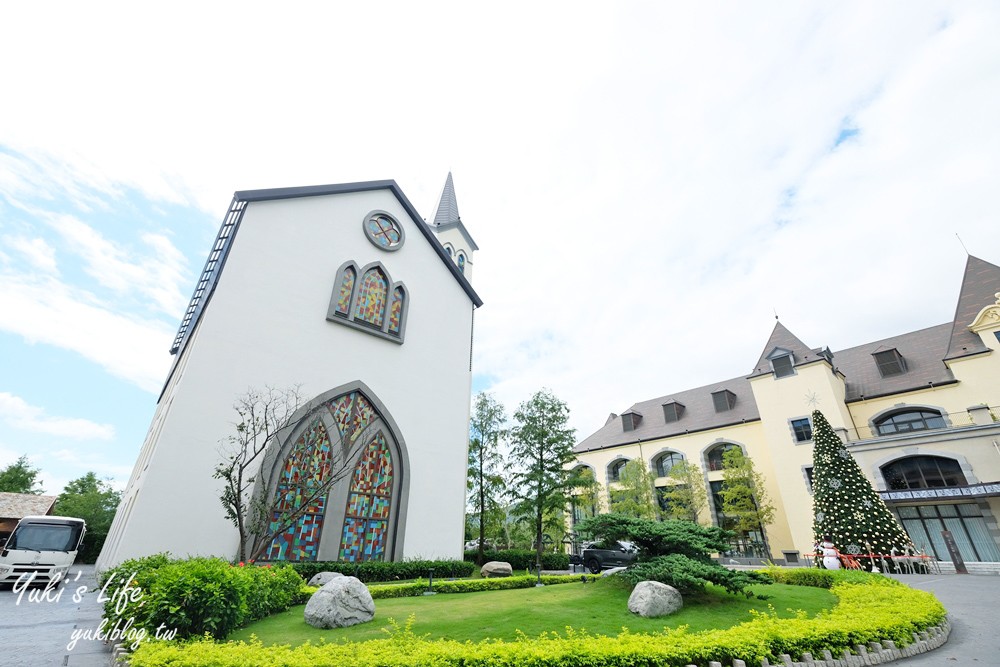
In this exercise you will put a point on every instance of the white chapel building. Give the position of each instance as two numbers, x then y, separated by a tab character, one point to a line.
345	292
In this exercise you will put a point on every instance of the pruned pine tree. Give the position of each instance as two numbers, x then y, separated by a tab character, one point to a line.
845	506
541	449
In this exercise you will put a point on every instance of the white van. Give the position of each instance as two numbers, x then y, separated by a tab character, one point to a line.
45	546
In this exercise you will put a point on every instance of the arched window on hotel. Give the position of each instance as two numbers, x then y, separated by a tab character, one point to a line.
905	421
716	453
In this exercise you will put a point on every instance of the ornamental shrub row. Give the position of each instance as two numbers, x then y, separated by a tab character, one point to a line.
867	612
379	571
522	559
470	585
195	596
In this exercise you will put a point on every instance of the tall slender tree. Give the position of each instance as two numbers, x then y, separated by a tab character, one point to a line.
744	498
845	505
541	449
685	498
20	477
487	429
633	496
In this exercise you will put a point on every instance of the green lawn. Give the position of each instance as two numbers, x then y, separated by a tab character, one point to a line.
599	608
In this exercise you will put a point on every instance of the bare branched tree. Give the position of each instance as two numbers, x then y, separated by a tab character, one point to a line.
266	418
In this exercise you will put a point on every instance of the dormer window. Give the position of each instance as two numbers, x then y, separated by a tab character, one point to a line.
631	420
782	363
672	411
724	400
890	362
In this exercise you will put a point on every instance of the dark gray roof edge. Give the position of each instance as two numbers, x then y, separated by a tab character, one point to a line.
269	194
668	436
861	399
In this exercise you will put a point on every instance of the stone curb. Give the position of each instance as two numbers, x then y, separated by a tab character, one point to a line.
876	653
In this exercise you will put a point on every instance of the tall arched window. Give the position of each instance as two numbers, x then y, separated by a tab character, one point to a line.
923	472
461	262
396	310
716	454
366	520
905	421
372	293
347	278
663	463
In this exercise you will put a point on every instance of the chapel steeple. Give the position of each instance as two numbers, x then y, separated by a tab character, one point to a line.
451	232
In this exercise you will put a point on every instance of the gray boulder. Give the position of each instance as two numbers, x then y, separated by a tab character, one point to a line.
342	601
496	568
323	578
651	599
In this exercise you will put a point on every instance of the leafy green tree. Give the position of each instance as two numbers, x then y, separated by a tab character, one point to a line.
677	553
94	501
486	485
845	505
685	497
585	495
744	498
20	477
542	448
633	495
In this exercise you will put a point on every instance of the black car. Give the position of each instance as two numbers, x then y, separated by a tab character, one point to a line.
603	556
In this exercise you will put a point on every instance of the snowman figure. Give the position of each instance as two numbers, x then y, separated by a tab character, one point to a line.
831	557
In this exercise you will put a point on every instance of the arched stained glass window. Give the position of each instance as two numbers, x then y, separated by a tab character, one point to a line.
347	279
300	484
461	262
366	521
372	293
396	310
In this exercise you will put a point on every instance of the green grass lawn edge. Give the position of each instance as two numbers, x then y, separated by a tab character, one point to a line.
869	609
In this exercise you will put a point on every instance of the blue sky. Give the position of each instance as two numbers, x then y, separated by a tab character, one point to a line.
648	182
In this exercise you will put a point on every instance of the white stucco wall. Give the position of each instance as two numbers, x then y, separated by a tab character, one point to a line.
266	325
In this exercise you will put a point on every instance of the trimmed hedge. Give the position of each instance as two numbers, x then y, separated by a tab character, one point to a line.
470	585
196	596
379	571
522	559
869	610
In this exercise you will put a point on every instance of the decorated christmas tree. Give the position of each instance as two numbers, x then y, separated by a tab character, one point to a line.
845	505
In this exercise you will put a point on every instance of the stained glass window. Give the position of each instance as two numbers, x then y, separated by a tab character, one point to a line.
383	231
371	300
396	310
300	490
461	262
346	290
366	521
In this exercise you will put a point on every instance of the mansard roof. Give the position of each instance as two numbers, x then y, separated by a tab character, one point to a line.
699	415
230	225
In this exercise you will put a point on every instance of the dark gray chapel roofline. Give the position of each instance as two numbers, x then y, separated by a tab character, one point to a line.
230	226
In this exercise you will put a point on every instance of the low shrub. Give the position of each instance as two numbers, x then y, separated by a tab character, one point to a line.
523	559
463	585
379	571
867	612
800	576
195	596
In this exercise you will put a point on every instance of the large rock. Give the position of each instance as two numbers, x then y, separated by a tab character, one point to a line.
323	578
651	599
496	568
342	601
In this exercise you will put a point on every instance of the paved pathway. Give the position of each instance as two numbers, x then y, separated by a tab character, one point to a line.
971	601
38	633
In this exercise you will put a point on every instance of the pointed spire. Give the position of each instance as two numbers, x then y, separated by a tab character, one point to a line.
786	340
980	284
447	210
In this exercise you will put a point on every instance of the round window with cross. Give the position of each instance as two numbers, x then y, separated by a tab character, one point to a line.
383	230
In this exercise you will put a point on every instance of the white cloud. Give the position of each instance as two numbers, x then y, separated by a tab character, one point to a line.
157	274
18	413
47	311
40	254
